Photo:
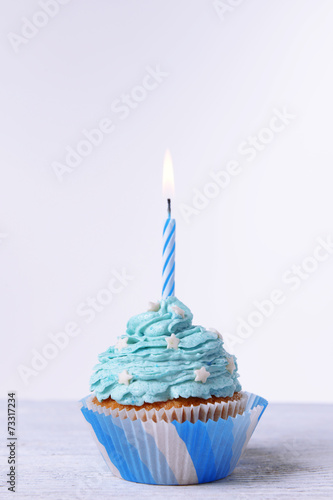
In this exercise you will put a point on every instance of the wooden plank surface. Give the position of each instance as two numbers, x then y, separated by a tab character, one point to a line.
289	456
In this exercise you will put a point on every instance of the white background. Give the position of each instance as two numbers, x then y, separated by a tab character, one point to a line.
60	241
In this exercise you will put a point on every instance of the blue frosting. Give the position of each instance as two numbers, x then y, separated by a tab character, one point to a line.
160	373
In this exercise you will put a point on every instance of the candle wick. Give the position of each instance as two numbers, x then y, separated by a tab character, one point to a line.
169	207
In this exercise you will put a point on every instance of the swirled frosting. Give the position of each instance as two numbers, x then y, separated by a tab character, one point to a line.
162	357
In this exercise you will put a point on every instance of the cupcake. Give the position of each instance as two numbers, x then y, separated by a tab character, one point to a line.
167	406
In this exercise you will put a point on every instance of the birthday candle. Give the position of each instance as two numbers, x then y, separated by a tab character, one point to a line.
169	232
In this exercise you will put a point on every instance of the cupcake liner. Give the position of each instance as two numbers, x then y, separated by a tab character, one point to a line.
203	412
172	453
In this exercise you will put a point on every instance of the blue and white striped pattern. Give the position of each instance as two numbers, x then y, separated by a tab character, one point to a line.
173	453
169	247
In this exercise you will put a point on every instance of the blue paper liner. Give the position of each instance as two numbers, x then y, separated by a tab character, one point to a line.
173	453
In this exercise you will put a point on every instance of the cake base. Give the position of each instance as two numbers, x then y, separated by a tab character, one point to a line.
167	405
172	453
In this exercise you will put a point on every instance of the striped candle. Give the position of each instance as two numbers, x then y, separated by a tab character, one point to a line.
169	247
169	231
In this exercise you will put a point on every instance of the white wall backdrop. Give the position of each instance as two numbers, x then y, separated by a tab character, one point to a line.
239	91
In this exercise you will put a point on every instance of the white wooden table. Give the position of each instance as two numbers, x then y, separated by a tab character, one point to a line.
289	456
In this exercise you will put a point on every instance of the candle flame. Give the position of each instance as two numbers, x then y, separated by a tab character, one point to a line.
168	177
